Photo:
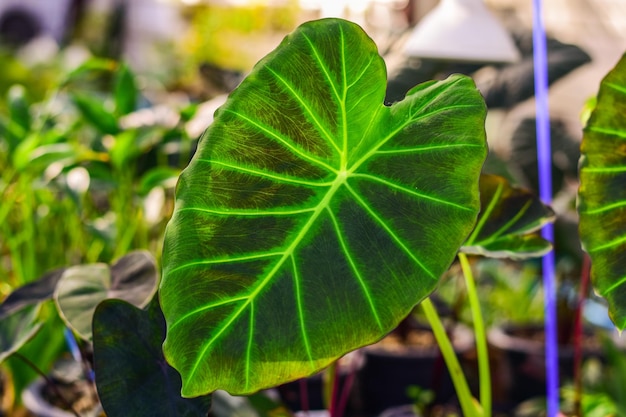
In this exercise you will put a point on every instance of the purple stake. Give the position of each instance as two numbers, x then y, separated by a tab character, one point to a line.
544	158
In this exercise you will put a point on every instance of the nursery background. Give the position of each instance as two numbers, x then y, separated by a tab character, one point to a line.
102	104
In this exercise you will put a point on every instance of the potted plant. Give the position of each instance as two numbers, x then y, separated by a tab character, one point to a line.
310	221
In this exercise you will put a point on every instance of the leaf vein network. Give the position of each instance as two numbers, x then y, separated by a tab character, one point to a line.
411	192
391	233
308	112
265	174
271	133
355	269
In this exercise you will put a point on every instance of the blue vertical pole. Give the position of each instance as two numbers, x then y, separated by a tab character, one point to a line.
544	158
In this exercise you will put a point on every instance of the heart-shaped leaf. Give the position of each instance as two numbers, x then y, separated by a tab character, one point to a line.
32	293
602	193
509	216
16	329
313	218
133	278
129	339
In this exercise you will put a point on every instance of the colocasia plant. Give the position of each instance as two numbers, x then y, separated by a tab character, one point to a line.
312	219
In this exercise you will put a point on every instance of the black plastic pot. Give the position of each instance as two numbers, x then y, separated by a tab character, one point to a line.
388	373
521	370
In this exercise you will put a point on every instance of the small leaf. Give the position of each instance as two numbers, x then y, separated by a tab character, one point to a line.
32	293
125	91
81	288
313	218
158	176
93	110
132	376
16	329
602	192
509	216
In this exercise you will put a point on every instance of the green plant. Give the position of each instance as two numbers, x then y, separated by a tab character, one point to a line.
311	220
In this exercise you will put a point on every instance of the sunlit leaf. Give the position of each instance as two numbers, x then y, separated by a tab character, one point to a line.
313	218
132	376
81	288
602	193
16	329
508	219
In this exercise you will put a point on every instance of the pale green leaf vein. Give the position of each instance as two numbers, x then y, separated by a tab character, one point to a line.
204	308
401	127
604	170
608	131
248	359
486	214
282	139
244	213
609	245
605	208
355	269
616	87
391	233
427	148
300	307
265	174
307	110
411	191
322	66
614	286
250	257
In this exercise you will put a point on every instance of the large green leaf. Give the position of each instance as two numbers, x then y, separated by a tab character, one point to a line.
313	218
507	221
602	193
132	376
132	278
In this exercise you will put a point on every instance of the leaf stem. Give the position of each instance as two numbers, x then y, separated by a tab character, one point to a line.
49	381
484	374
454	368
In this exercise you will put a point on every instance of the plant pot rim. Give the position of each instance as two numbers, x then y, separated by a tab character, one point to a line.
39	406
462	339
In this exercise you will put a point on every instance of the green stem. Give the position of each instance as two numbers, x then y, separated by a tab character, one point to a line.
454	367
482	351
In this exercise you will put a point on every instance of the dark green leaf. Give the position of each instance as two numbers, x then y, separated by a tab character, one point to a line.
125	91
509	216
17	329
313	218
81	288
32	293
93	110
602	193
132	376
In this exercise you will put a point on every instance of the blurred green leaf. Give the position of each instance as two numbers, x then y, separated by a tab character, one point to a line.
313	218
128	339
125	91
94	112
158	176
19	107
16	329
93	64
602	192
509	215
133	278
